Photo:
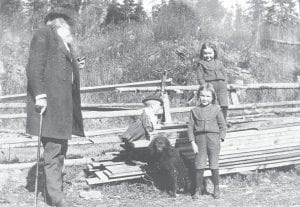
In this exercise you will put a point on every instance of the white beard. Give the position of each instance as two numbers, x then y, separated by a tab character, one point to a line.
65	34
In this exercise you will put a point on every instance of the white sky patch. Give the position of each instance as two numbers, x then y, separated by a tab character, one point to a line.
229	5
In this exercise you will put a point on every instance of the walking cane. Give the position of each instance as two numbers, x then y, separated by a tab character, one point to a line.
38	159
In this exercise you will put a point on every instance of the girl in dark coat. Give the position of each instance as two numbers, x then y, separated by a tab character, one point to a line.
210	70
53	90
206	129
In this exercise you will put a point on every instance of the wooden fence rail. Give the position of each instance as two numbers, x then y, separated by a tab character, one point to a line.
93	89
246	109
240	140
257	86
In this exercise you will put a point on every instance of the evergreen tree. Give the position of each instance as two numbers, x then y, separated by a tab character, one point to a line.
282	13
128	11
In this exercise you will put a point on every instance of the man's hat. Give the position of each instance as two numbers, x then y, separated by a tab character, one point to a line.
152	97
65	11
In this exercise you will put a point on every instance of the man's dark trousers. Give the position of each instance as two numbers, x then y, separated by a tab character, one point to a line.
54	154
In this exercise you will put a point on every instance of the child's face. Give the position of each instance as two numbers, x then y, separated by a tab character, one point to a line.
205	98
155	105
208	54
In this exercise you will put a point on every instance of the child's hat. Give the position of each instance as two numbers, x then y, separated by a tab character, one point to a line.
152	97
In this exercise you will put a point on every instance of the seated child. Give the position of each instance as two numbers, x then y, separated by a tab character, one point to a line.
146	123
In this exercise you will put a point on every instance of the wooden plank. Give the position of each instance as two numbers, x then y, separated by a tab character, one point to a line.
114	86
106	163
188	149
245	150
259	152
263	131
22	142
84	106
98	181
260	158
102	176
114	114
166	106
260	136
229	170
261	105
107	173
225	170
262	162
93	181
92	89
129	174
117	169
242	146
234	98
256	86
253	153
12	105
170	133
265	111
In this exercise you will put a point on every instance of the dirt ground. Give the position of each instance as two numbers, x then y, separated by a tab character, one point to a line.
275	187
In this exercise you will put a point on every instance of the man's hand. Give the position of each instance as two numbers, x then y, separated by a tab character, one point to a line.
41	105
81	62
195	147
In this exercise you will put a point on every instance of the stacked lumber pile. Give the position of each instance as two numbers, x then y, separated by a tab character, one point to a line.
248	146
262	148
107	171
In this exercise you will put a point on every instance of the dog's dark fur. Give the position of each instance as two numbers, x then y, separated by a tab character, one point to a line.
168	169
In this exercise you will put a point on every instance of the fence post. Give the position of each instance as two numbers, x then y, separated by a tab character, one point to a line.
234	97
165	98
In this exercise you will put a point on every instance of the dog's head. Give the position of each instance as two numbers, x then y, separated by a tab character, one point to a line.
159	145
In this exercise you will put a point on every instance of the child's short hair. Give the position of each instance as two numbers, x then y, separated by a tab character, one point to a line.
206	45
208	87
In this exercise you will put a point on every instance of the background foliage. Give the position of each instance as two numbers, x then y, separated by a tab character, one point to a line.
123	44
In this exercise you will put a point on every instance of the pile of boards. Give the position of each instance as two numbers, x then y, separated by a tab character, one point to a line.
270	144
263	144
107	171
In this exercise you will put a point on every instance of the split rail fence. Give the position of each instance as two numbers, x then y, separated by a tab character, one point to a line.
259	138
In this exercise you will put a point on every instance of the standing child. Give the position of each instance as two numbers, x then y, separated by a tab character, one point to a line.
147	122
211	70
206	128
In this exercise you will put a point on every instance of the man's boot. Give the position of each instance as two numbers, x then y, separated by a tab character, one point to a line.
198	184
215	180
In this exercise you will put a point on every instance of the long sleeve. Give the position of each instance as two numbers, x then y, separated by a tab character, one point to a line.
200	74
222	125
37	61
191	125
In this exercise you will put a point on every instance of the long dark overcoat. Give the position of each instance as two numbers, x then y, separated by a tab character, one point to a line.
49	71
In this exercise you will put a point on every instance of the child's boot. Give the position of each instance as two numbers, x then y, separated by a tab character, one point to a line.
215	180
204	189
198	184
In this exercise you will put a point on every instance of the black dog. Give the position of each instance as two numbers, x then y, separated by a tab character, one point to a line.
168	169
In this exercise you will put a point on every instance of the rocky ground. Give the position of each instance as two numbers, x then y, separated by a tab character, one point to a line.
275	187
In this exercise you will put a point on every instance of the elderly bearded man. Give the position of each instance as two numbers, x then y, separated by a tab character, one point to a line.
53	90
